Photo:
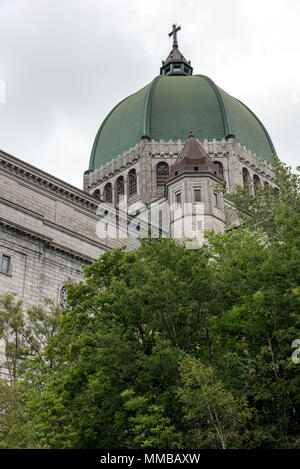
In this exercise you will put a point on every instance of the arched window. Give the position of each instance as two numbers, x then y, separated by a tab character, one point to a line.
162	173
256	182
246	179
132	183
63	297
107	193
119	188
217	163
96	194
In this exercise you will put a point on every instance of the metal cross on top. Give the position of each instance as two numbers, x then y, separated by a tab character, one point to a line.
173	33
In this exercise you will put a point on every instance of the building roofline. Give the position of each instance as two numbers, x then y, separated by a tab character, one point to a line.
13	161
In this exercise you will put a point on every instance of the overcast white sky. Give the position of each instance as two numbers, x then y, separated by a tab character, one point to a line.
66	63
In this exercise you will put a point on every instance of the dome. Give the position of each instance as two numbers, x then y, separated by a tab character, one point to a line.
169	108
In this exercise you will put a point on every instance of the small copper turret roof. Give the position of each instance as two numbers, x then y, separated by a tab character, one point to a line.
194	159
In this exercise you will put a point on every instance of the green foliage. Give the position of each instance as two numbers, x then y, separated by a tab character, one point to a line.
11	328
274	210
42	323
26	335
167	347
17	428
216	418
149	426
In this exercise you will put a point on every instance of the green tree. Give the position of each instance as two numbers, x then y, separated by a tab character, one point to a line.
257	279
148	424
273	209
113	374
17	430
216	418
25	400
11	332
41	323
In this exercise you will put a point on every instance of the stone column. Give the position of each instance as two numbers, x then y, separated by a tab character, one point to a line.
145	172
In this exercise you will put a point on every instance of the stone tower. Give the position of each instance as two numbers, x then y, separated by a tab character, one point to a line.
193	193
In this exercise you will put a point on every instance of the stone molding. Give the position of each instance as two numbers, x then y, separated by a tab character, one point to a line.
46	241
42	180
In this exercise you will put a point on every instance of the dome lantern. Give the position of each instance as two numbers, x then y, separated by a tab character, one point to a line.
175	63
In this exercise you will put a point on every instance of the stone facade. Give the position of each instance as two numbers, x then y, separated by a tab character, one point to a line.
48	229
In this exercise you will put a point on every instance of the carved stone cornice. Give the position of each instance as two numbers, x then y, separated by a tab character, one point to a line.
40	179
247	158
117	165
25	232
71	253
45	241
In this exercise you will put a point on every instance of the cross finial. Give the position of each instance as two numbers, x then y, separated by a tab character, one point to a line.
173	33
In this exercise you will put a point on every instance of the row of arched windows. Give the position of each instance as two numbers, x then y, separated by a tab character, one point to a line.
162	173
107	195
247	182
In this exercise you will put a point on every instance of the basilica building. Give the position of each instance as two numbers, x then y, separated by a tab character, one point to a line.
172	144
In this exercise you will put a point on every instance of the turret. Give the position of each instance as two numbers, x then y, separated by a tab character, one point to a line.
193	193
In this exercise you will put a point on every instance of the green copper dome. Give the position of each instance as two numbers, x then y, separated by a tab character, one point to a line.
169	108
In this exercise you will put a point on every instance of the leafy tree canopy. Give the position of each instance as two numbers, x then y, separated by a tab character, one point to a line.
166	346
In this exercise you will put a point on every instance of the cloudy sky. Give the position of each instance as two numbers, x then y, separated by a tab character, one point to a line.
66	63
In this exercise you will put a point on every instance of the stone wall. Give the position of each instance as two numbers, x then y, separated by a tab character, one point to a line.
36	270
48	229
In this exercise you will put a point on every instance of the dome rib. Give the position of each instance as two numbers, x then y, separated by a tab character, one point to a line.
262	126
148	106
223	107
168	108
93	153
